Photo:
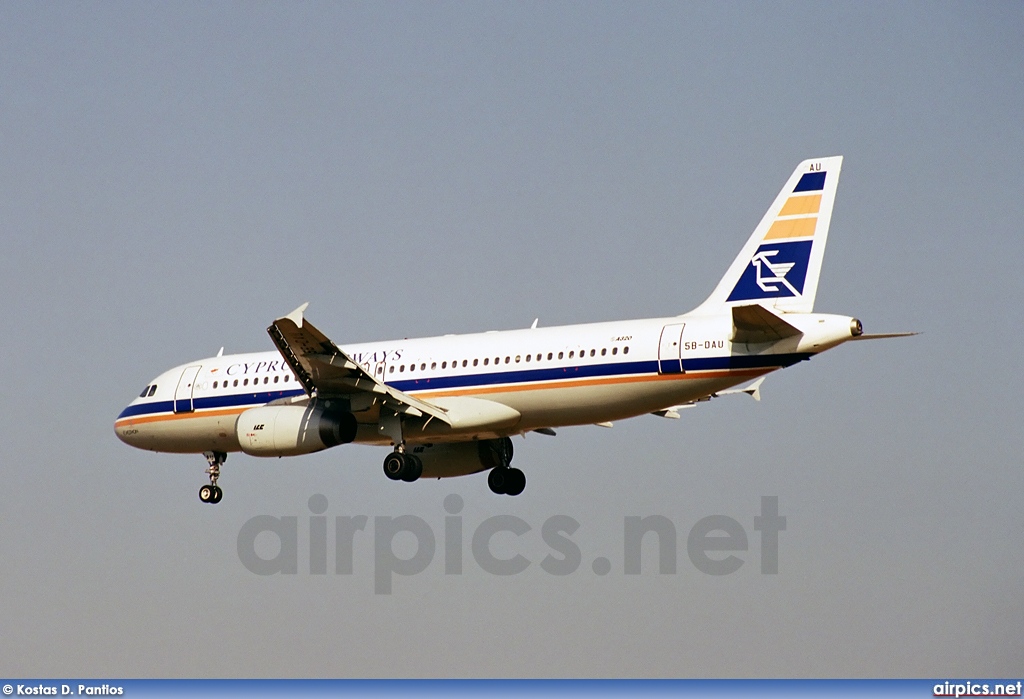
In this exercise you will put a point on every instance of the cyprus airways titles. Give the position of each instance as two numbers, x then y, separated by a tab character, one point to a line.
449	405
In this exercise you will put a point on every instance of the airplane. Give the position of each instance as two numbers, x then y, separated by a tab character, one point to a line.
448	406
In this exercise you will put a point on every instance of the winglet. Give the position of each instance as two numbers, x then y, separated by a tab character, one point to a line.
753	390
296	315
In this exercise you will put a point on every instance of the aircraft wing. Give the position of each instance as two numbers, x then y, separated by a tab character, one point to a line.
325	371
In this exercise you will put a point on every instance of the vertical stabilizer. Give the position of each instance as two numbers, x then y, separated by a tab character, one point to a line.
780	263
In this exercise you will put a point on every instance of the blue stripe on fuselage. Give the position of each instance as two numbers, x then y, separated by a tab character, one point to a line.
596	371
519	376
437	383
230	400
745	361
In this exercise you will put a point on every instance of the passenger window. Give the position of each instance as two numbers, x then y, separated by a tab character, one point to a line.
592	352
615	350
465	362
276	379
527	357
444	365
423	366
215	384
486	360
625	350
559	355
508	359
603	351
549	356
246	382
391	369
570	354
287	377
236	382
518	358
476	362
266	379
433	365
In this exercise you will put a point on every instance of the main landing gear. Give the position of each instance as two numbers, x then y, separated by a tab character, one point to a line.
506	480
494	455
403	466
503	479
212	493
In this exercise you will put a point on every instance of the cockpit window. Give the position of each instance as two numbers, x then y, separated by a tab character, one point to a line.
152	390
145	392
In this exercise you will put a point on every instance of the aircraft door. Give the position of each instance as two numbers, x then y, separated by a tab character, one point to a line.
380	371
670	358
183	393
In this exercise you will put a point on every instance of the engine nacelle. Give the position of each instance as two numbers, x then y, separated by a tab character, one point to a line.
288	430
463	458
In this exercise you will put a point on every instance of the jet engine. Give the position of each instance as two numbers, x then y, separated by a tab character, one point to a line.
288	430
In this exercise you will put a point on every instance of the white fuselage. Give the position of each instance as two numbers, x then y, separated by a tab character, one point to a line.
551	377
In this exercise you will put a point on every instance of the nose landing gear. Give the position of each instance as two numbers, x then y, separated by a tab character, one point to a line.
212	493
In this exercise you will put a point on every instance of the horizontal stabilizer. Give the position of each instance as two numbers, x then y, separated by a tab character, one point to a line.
882	336
754	323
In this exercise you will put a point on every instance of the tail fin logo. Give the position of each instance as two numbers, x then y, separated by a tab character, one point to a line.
778	271
775	271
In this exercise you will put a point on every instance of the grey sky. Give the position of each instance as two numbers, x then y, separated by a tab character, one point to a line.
174	176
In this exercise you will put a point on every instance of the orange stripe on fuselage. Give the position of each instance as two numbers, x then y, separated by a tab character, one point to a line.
578	383
178	416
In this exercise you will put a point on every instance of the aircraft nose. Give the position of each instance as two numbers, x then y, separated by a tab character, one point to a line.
125	430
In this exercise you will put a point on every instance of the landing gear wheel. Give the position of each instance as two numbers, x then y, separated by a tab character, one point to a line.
394	465
413	468
506	481
515	481
497	480
212	493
